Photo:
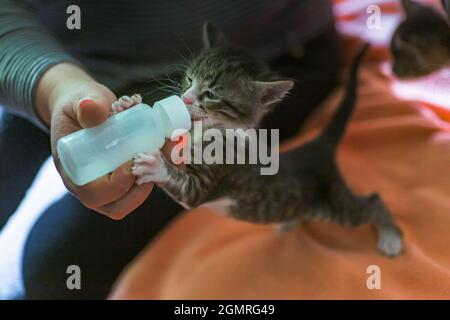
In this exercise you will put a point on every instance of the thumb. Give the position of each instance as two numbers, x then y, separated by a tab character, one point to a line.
92	111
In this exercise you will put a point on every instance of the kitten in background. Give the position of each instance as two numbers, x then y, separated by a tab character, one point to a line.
227	87
421	43
446	6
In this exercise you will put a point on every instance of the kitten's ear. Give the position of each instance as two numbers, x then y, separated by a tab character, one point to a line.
411	6
212	36
273	91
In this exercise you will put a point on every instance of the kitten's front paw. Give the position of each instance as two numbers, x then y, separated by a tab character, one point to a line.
150	167
126	102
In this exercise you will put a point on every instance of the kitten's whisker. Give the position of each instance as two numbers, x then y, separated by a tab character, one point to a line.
159	88
183	57
196	108
169	91
154	80
168	81
179	67
173	88
168	87
149	92
191	52
174	83
161	82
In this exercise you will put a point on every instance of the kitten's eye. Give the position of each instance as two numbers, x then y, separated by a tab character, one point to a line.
210	95
188	79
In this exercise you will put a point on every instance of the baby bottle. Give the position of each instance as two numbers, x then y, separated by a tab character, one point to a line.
90	153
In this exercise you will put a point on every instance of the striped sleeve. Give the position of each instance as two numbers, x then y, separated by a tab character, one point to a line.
27	50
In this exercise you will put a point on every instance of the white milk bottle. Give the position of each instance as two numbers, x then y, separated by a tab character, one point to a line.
88	154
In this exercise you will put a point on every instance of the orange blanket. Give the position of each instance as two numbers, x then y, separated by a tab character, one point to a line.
399	148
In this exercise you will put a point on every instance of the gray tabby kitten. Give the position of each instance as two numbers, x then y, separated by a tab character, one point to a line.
421	43
229	88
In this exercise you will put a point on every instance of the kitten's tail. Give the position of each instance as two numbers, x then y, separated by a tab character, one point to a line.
336	128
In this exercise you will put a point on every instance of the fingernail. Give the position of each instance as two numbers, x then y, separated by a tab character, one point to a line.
85	102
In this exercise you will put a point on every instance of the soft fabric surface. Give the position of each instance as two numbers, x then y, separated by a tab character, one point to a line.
396	147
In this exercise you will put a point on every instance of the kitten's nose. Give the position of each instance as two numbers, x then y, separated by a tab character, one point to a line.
189	100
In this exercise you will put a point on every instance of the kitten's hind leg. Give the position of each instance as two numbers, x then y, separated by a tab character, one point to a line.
348	209
126	102
390	239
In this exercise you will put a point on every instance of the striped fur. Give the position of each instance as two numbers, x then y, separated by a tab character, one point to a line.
308	185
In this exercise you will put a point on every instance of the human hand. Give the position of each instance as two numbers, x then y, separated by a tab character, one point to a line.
68	99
